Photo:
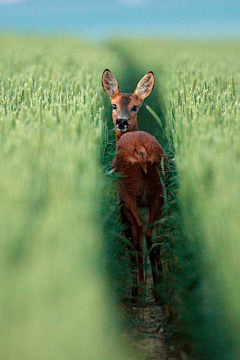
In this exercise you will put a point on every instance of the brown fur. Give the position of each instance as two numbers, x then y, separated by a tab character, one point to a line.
139	158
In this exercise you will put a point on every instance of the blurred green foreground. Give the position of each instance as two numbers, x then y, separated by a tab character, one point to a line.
60	271
55	301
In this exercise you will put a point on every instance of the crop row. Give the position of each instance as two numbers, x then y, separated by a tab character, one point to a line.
55	299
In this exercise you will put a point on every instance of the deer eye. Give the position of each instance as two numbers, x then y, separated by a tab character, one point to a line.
134	108
114	106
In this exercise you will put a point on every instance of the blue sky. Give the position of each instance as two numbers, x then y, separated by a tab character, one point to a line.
104	18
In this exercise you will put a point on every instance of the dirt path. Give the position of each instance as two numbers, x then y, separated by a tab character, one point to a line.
149	332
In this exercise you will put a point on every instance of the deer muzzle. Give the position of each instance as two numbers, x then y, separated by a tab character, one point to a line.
122	124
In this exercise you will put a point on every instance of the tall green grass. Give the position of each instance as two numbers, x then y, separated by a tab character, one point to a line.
204	130
55	298
61	255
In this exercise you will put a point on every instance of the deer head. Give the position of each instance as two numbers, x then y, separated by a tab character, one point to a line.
125	106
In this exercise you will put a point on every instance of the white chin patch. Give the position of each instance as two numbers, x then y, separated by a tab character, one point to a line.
122	129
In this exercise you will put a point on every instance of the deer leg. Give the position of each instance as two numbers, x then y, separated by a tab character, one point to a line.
129	235
155	253
130	214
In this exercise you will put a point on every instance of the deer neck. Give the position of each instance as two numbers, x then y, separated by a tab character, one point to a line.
120	133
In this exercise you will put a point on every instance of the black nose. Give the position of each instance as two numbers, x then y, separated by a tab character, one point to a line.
122	123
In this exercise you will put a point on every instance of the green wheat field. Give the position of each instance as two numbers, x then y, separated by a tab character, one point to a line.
63	269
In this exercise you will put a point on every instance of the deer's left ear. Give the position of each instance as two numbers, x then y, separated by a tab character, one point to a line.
145	85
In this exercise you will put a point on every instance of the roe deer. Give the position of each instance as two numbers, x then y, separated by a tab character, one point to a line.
139	159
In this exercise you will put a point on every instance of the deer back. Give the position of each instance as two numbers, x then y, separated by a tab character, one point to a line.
139	157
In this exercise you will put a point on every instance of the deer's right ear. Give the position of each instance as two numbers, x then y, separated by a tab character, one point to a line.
110	84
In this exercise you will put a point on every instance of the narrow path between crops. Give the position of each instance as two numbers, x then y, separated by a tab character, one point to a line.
148	327
149	332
